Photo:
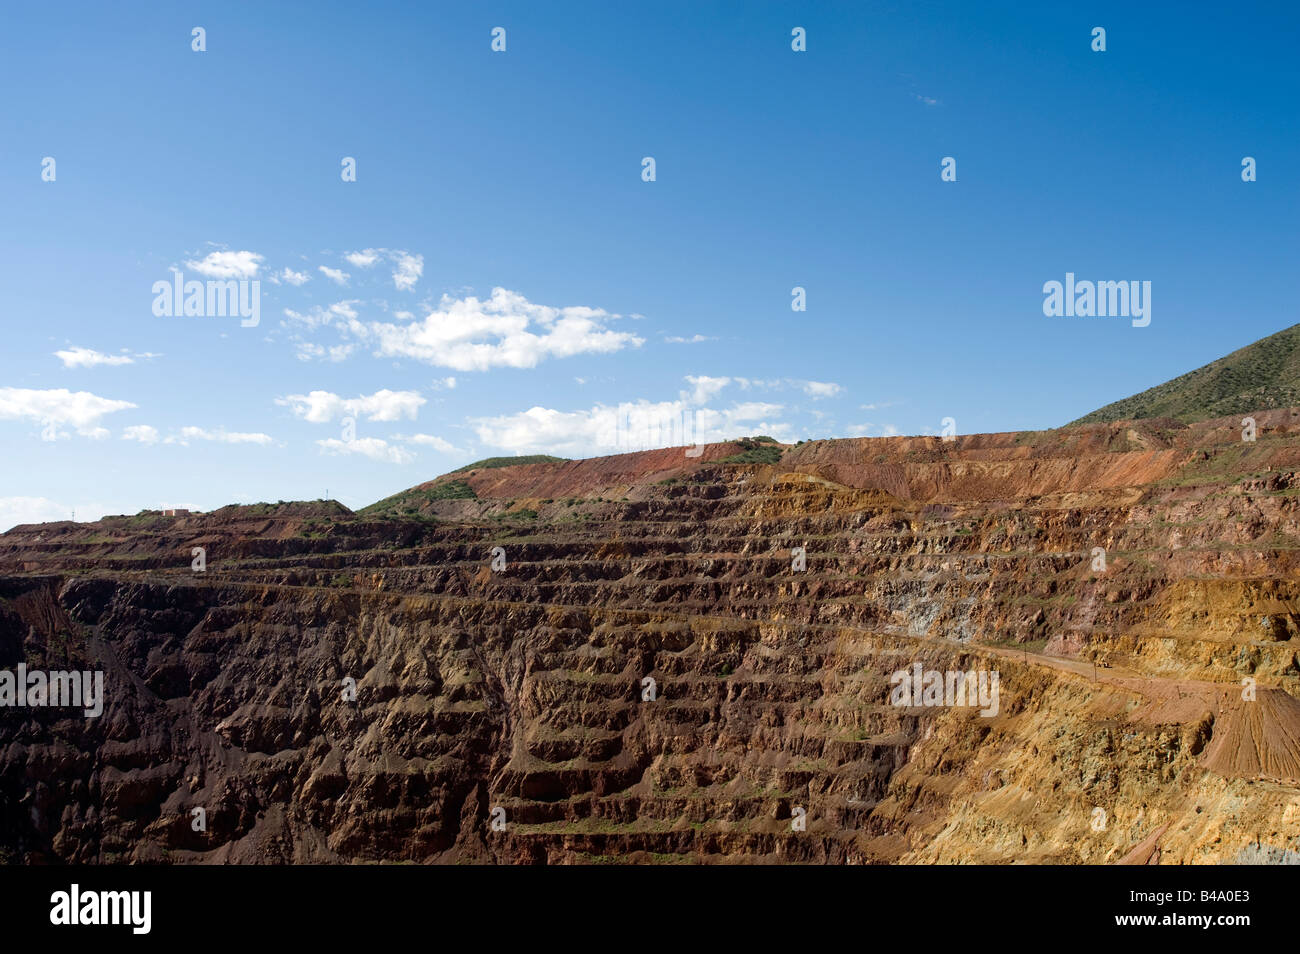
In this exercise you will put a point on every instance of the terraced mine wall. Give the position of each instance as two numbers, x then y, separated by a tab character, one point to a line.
664	658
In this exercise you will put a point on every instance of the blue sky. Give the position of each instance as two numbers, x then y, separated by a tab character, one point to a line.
504	279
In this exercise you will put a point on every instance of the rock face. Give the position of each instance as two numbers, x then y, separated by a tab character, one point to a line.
663	658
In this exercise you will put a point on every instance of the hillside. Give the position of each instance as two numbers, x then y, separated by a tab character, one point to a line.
540	478
1262	375
345	687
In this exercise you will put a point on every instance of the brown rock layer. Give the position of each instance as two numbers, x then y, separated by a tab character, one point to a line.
508	715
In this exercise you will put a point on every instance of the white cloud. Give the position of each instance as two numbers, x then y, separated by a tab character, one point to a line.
188	434
865	430
407	268
372	447
706	388
506	330
58	406
320	407
408	271
297	279
341	315
335	275
626	427
19	510
472	335
694	339
142	433
363	259
86	358
437	443
821	389
227	264
307	351
448	383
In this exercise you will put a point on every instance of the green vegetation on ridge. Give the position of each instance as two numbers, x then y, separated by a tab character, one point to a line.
489	463
755	450
1258	377
411	501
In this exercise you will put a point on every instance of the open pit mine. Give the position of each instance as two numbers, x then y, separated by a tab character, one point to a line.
663	658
